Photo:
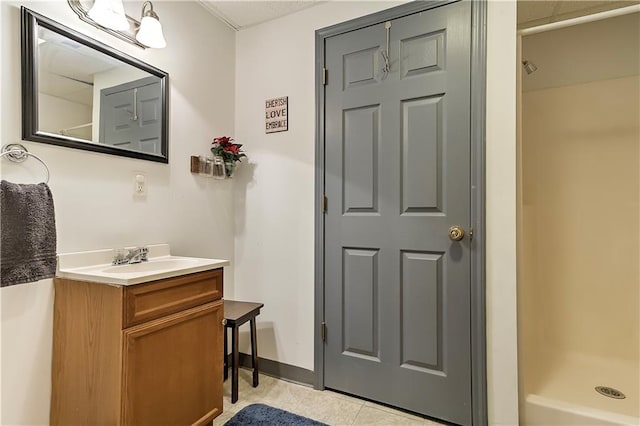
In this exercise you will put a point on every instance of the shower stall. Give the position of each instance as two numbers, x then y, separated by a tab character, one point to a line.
579	223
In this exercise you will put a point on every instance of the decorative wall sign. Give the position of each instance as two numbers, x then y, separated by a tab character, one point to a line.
277	115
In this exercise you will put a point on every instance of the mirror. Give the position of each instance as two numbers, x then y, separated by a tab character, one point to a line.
80	93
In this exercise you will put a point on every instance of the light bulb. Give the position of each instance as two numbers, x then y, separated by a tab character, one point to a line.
150	33
109	14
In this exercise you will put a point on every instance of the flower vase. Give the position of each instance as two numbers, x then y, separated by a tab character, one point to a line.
229	168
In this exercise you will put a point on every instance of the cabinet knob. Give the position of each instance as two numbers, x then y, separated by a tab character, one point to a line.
224	322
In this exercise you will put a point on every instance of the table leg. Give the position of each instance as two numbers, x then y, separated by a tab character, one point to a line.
254	351
226	355
235	361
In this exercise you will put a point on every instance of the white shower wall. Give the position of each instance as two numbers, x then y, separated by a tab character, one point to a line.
581	233
579	292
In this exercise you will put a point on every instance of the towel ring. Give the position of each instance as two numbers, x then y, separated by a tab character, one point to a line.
18	153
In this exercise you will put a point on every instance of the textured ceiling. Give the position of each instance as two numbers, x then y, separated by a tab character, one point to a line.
241	14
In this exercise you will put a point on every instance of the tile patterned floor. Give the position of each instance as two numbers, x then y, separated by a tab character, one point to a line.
324	406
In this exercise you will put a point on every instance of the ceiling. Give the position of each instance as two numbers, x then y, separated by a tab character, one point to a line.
241	14
66	68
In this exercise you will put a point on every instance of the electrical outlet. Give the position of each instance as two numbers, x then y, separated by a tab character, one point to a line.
139	185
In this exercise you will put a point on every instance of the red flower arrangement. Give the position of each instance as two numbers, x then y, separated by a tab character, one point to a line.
224	147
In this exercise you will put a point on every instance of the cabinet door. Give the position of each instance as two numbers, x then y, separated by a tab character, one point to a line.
173	368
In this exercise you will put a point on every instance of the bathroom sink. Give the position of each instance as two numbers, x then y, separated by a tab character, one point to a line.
95	266
152	265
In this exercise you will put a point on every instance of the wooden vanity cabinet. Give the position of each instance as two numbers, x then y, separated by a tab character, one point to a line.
146	354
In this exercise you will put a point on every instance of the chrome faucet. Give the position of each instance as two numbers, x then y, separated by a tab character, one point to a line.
126	256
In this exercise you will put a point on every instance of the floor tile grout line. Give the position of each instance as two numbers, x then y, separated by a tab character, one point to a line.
356	417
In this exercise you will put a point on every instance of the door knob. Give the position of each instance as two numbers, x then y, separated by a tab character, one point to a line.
456	233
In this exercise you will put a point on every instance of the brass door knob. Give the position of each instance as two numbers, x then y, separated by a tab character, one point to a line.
456	233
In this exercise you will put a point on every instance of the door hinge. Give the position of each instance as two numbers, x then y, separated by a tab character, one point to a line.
325	74
325	201
323	331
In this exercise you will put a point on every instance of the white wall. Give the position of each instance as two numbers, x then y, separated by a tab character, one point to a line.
93	193
57	113
274	193
274	196
502	365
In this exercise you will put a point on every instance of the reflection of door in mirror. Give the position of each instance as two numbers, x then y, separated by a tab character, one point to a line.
130	115
80	87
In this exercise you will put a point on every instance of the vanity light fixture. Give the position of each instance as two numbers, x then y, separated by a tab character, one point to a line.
109	16
150	31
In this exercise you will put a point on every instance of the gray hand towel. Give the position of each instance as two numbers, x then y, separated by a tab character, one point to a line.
28	233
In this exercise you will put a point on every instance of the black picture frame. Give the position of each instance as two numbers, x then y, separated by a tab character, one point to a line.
30	22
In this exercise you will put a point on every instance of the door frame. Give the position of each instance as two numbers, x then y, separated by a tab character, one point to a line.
477	186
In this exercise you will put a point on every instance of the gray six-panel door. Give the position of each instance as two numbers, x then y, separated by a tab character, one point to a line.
130	115
397	177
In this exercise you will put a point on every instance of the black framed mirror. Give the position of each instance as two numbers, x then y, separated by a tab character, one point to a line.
80	93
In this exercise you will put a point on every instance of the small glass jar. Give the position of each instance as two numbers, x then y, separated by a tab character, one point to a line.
217	167
206	166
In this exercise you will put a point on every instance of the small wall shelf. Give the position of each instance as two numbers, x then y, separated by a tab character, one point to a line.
212	167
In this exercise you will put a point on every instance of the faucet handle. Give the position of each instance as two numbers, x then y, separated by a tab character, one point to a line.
119	256
144	251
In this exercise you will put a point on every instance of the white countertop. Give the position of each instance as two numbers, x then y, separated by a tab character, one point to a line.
95	266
